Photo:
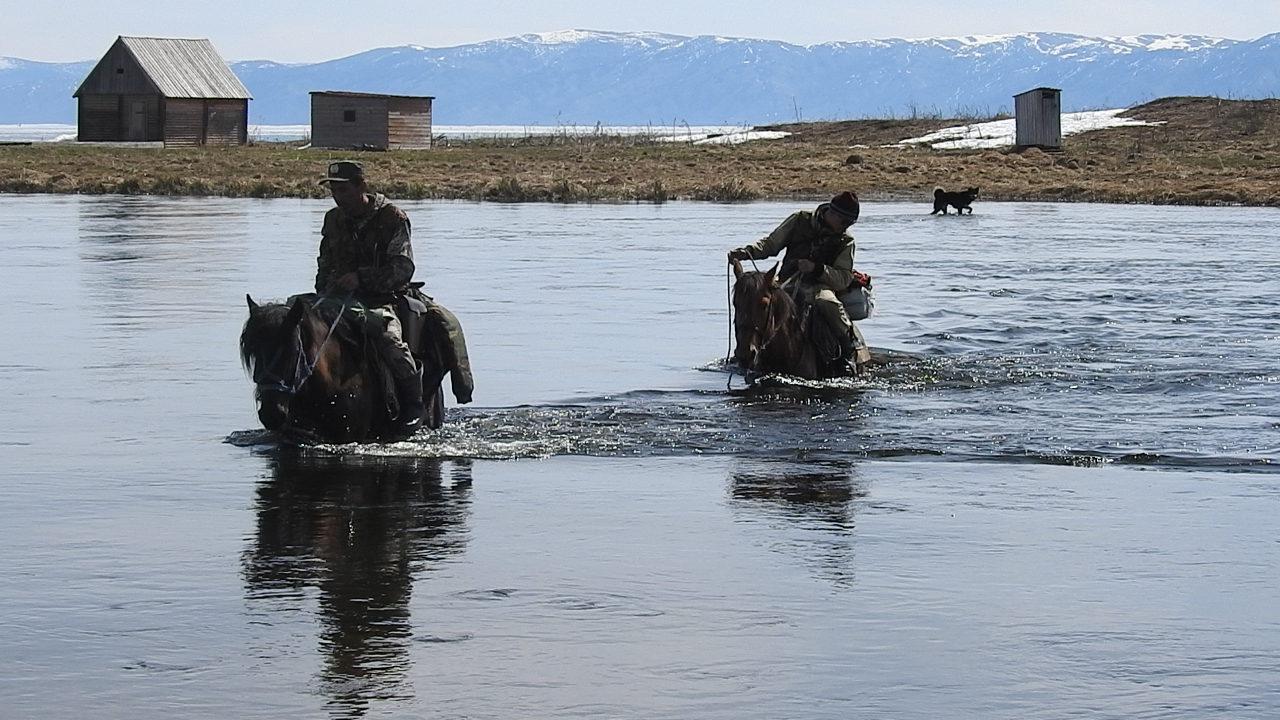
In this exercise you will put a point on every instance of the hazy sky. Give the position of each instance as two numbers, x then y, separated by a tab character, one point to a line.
291	31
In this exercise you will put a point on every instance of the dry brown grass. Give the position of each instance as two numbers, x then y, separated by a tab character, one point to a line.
1209	151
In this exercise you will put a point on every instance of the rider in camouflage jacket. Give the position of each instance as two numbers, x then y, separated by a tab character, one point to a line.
819	253
365	252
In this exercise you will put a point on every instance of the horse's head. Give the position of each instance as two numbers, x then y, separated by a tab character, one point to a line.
274	348
761	311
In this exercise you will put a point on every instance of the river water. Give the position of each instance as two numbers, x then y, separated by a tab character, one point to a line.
1060	501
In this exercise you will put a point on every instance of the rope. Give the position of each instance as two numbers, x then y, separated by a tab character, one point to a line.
728	355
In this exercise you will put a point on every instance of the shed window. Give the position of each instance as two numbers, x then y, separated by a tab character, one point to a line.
119	71
348	116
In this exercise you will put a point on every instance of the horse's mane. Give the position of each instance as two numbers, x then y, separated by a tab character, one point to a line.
261	333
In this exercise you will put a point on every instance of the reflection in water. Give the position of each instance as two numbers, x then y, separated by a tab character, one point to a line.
808	510
359	532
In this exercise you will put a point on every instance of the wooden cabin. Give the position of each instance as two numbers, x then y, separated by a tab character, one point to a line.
179	92
353	120
1038	118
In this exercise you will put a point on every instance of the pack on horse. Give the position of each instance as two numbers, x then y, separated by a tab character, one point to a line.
317	377
775	333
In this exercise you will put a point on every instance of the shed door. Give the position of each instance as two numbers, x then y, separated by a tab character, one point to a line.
137	120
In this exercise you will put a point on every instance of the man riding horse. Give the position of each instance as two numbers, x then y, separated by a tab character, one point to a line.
819	257
365	253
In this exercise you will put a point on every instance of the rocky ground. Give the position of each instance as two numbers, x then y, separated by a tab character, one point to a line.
1205	151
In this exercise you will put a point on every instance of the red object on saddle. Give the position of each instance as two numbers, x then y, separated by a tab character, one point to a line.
861	279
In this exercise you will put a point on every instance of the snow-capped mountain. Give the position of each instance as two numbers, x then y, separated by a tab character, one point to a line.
584	77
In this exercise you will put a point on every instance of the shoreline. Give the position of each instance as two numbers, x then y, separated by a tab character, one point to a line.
1200	152
872	197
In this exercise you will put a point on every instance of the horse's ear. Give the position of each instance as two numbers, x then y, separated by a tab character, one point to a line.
771	277
252	305
737	269
296	308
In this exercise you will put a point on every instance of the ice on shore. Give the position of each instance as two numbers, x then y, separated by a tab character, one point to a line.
700	134
1000	133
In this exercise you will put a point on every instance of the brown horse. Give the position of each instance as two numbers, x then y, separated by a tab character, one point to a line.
774	336
317	379
768	329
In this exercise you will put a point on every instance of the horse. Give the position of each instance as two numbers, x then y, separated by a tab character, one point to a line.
316	378
770	330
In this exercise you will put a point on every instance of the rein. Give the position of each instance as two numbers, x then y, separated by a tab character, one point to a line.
728	355
728	286
303	367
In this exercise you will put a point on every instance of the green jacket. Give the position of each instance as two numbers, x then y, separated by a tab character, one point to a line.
375	246
805	236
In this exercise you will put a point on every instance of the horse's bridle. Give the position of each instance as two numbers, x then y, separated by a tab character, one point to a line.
768	334
303	366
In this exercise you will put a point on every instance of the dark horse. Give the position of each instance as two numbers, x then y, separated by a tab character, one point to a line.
773	335
317	378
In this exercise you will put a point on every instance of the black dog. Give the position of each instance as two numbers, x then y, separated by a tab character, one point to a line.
959	200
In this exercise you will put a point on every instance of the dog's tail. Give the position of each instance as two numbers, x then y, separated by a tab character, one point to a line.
937	192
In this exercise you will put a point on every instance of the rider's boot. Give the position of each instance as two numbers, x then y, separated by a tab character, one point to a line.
409	398
848	362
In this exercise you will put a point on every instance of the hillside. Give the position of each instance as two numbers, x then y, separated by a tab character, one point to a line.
584	77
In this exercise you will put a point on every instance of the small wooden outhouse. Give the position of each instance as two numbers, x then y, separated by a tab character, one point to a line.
170	90
1038	118
370	121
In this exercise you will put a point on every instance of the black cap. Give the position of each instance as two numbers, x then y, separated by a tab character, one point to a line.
846	204
344	171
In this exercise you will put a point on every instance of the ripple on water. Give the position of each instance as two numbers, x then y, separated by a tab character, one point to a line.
891	412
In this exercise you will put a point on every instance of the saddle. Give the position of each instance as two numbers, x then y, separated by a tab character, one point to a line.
433	334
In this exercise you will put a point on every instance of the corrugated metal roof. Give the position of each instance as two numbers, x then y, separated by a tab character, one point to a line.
1042	87
185	68
349	93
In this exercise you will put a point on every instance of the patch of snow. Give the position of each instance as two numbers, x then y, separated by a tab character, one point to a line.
1185	43
1001	133
732	137
563	36
1181	42
6	63
964	40
736	138
566	37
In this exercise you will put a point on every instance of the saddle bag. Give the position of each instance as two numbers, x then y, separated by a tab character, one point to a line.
859	299
434	334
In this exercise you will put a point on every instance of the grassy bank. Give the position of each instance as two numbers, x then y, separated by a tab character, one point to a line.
1206	151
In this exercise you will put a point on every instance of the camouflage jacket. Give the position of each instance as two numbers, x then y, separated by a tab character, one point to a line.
375	246
805	236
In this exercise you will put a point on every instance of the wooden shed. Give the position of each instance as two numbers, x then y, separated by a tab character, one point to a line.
169	90
368	120
1038	118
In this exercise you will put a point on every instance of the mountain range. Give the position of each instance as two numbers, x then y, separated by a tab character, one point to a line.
584	77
